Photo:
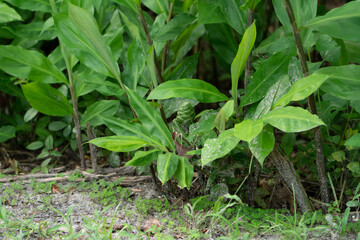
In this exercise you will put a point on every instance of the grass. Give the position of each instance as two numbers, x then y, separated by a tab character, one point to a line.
200	218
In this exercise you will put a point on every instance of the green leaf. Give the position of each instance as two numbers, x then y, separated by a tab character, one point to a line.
277	90
184	173
263	144
35	145
339	22
292	119
223	41
29	64
174	28
353	49
32	5
239	62
234	16
302	89
343	81
209	12
218	147
122	127
151	119
6	132
185	69
166	166
136	61
268	74
304	11
30	114
353	141
80	34
49	142
287	144
143	158
8	14
157	6
119	143
47	99
57	125
99	109
188	88
279	40
248	129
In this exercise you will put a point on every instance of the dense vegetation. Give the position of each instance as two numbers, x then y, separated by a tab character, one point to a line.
256	98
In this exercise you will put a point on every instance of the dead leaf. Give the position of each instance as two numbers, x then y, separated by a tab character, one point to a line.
149	224
55	189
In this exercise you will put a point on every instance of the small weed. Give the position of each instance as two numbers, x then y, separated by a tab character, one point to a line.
149	206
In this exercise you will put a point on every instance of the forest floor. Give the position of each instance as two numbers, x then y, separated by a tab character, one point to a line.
82	205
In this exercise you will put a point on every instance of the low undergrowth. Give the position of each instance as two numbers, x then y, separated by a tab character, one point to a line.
200	218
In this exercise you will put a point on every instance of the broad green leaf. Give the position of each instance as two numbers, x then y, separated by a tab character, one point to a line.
275	92
248	129
29	64
234	16
339	22
218	147
136	59
263	144
166	166
184	173
304	11
157	6
35	30
250	4
6	132
220	120
80	34
32	5
287	144
47	99
94	80
186	40
174	28
188	88
353	49
279	40
302	89
35	145
49	142
143	158
353	141
8	14
292	119
185	69
30	114
151	119
119	143
268	74
328	48
124	128
127	3
102	108
239	62
209	12
343	81
57	125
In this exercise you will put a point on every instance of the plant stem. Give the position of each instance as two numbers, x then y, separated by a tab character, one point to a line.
157	68
255	169
166	50
287	172
76	117
92	147
320	159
